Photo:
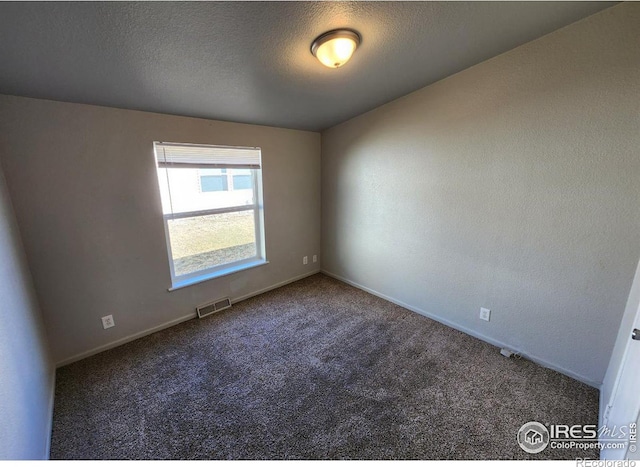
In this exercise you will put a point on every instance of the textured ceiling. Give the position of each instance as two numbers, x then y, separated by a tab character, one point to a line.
250	61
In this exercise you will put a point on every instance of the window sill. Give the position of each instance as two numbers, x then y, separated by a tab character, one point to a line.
218	273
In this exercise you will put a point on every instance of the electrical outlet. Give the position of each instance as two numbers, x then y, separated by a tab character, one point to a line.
485	314
108	322
305	260
315	258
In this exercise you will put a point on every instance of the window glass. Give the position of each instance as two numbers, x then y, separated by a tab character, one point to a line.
213	180
198	242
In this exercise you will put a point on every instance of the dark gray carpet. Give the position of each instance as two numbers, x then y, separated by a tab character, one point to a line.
314	370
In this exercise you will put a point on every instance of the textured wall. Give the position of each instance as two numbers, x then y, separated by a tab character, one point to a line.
26	371
84	186
512	185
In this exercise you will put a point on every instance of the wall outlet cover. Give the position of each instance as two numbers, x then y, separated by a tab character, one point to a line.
108	322
485	314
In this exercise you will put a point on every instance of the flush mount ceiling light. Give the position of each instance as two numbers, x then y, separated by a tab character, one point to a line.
334	48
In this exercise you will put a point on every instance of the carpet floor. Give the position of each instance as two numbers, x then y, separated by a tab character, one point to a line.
313	370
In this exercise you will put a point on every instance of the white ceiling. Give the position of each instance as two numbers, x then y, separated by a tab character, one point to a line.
250	61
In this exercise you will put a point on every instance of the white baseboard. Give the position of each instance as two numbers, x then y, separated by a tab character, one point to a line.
173	322
540	361
275	286
124	340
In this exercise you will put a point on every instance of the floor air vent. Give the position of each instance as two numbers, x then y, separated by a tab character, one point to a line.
213	307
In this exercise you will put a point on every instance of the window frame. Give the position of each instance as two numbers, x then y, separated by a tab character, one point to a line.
178	282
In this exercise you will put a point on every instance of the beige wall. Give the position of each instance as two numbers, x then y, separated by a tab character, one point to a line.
83	182
512	185
26	370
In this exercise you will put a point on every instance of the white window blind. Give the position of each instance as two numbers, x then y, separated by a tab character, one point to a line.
181	155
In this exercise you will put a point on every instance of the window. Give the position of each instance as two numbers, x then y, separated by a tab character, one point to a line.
212	209
213	180
225	179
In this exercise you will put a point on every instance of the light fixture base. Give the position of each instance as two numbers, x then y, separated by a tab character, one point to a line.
334	48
